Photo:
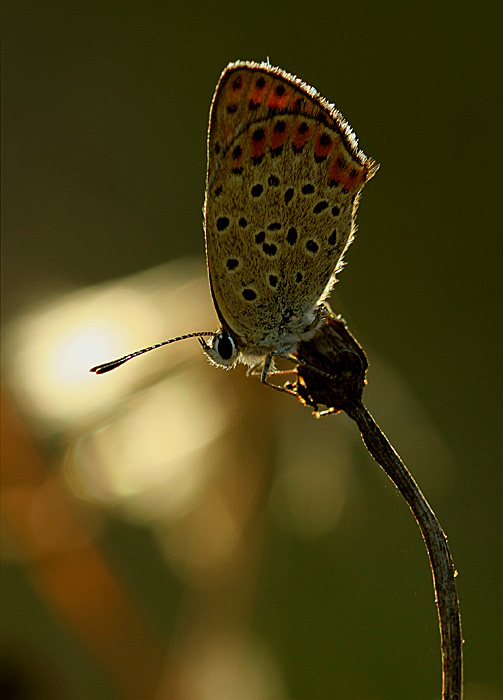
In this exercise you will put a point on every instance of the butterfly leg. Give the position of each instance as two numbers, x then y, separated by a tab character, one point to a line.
262	369
300	362
268	369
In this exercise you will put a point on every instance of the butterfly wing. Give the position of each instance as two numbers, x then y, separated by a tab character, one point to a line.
284	176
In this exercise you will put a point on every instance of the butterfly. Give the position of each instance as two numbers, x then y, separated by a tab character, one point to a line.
283	183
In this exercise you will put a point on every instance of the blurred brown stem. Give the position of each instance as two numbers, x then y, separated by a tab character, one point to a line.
334	351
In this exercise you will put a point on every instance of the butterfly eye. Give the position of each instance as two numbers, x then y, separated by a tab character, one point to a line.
222	349
225	347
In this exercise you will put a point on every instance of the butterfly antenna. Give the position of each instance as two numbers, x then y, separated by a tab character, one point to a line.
109	366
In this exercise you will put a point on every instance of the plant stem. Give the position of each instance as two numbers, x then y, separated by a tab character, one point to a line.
442	566
334	352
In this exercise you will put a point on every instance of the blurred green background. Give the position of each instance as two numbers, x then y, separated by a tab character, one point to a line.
105	109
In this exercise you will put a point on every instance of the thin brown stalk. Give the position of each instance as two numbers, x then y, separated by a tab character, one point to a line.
334	351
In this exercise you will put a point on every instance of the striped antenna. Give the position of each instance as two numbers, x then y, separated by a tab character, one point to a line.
109	366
